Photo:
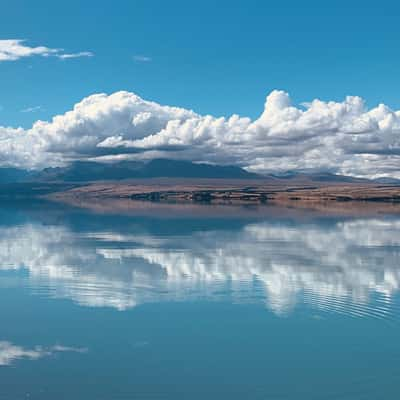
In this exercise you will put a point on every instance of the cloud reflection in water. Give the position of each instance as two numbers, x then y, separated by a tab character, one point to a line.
10	352
338	266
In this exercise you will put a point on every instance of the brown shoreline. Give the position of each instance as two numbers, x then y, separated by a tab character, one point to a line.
324	198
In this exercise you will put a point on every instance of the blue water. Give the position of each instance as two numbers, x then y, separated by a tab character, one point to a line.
246	305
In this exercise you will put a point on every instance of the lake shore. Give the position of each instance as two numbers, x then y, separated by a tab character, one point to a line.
342	199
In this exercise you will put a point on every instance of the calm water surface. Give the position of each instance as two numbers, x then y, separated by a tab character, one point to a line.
96	306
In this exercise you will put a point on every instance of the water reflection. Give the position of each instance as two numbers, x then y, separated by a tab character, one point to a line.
9	352
349	266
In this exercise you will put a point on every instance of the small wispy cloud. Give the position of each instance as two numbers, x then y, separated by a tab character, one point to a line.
141	58
15	49
32	109
75	55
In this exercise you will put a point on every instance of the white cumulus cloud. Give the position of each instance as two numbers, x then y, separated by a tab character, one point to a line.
343	137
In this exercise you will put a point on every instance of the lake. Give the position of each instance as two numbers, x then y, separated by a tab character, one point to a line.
249	304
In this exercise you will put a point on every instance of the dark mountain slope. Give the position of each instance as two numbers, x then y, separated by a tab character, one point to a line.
158	168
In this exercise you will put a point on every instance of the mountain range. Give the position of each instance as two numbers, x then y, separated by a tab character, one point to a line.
86	171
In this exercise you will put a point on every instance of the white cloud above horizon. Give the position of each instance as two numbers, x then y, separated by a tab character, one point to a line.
15	49
341	137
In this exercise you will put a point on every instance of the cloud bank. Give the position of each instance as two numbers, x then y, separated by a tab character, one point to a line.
15	49
341	137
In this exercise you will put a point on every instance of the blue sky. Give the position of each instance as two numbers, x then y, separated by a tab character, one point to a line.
217	57
286	68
